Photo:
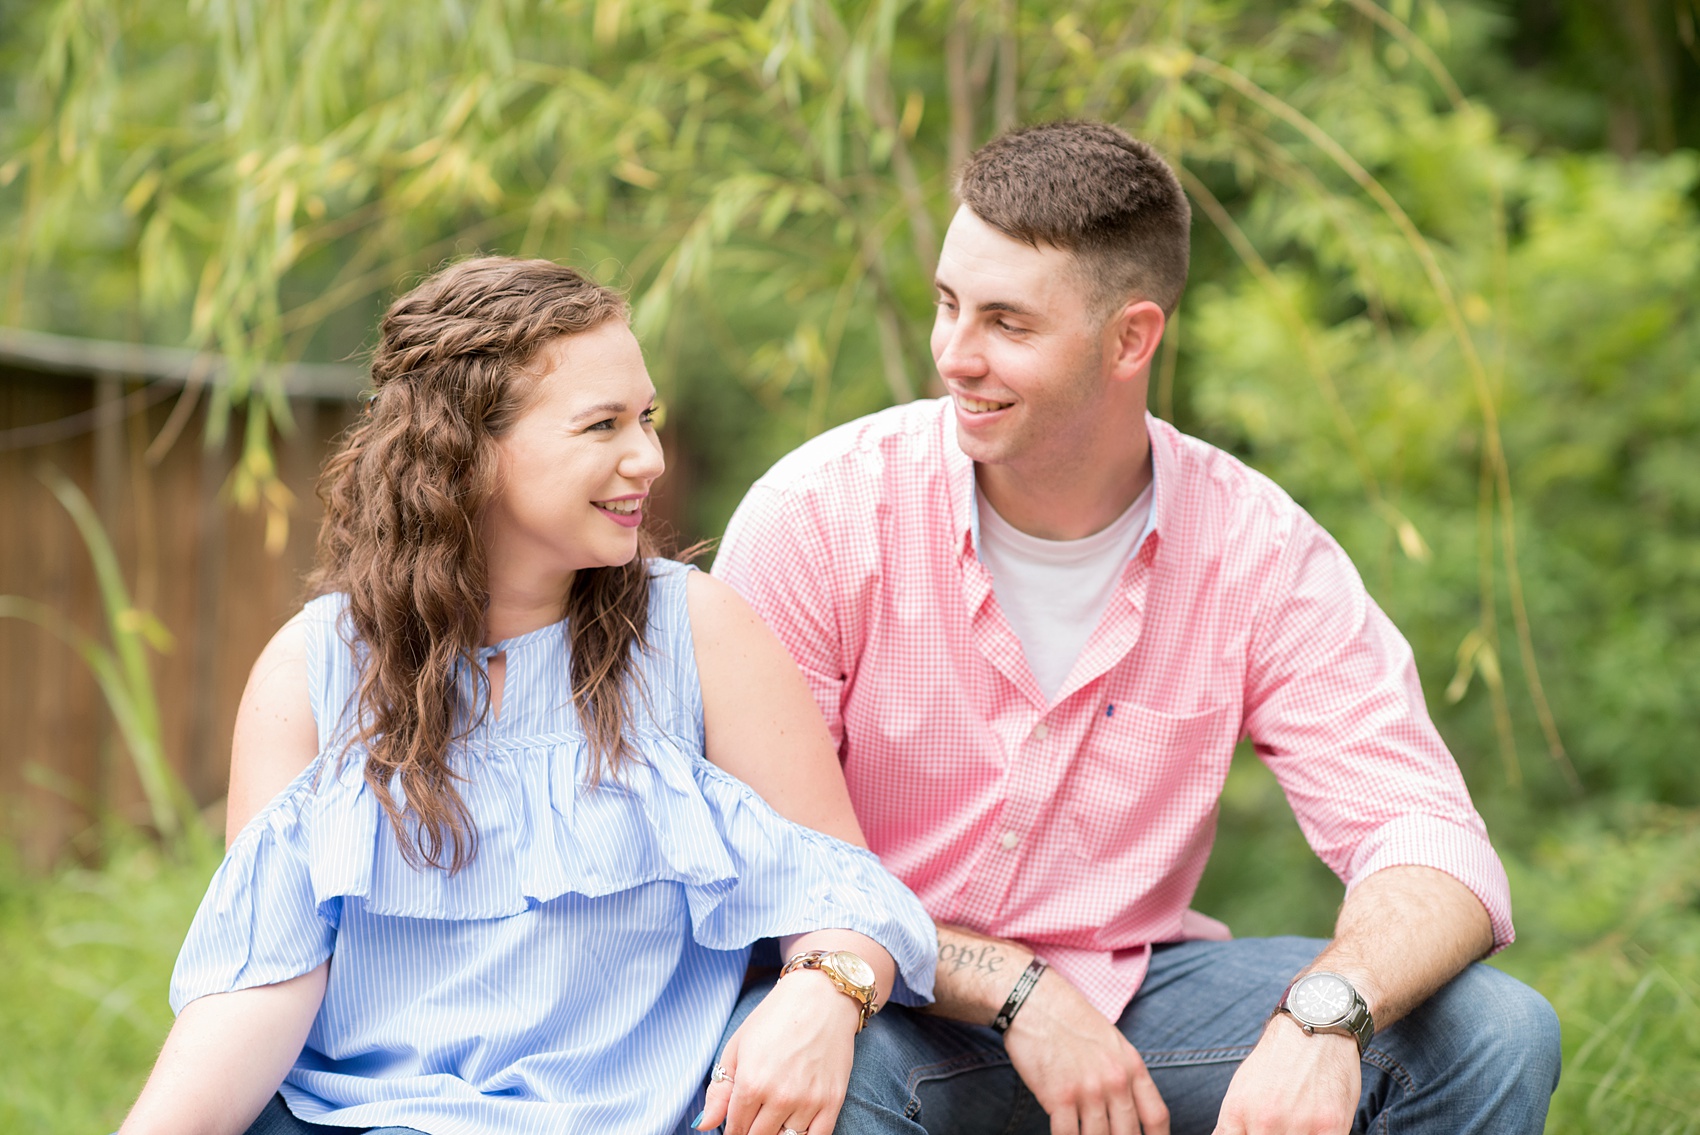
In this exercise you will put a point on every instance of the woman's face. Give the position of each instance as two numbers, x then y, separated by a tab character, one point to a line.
576	466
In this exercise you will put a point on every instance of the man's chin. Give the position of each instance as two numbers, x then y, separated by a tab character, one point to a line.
982	447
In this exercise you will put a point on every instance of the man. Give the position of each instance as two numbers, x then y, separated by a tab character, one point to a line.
1037	620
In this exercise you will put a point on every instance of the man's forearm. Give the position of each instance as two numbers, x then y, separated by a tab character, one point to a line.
1403	932
975	974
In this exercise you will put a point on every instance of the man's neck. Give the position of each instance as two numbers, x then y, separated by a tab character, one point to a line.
1072	497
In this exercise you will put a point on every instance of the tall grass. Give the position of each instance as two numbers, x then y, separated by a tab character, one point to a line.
120	665
1608	918
85	957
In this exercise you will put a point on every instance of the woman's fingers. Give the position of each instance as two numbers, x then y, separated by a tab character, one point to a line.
721	1081
768	1121
825	1120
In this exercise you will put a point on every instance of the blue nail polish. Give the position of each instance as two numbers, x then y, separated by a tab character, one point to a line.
698	1119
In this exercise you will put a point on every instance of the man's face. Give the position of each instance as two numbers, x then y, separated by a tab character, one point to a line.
1017	343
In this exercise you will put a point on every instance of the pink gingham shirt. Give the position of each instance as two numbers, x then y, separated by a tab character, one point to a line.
1081	826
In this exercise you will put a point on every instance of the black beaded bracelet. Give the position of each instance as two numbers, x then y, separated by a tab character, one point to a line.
1018	996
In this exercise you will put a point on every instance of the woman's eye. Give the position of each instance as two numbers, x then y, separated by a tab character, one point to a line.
604	424
656	415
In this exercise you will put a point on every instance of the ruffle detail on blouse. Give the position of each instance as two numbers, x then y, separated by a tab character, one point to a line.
542	832
256	925
829	884
747	873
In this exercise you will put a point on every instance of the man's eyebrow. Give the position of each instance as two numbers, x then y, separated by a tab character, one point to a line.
995	305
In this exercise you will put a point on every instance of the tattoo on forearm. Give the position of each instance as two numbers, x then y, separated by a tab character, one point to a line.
986	959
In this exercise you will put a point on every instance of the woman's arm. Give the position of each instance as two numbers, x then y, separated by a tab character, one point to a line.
275	734
225	1057
228	1052
790	1060
762	724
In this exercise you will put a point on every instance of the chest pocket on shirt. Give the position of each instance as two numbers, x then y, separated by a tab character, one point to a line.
1140	769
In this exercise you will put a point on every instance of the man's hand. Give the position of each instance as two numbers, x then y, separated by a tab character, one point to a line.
1293	1084
1403	932
1080	1068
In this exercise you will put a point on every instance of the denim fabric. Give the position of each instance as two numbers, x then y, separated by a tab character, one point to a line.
1481	1055
277	1119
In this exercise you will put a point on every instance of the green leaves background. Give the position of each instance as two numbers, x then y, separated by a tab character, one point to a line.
1444	295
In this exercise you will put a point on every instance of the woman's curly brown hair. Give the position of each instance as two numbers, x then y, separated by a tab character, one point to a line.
404	496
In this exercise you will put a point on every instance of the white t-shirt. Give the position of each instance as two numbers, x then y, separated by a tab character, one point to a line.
1053	592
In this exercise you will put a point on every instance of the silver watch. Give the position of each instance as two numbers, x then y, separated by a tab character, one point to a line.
1325	1002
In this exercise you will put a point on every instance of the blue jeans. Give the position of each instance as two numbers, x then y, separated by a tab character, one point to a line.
277	1119
1481	1055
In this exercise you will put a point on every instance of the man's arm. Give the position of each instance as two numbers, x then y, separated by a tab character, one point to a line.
1077	1064
1403	932
1335	709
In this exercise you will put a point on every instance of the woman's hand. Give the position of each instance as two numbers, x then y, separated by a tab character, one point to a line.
789	1062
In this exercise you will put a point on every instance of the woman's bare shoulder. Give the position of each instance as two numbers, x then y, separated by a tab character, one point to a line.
276	736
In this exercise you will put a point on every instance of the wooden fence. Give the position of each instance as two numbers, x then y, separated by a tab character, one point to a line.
92	411
103	414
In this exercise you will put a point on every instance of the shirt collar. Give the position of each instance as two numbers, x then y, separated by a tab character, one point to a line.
964	502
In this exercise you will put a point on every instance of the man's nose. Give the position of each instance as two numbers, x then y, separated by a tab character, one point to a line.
960	353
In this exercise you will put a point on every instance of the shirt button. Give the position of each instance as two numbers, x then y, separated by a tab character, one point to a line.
1010	839
1039	731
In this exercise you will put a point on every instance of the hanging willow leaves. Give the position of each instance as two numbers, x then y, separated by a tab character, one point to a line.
771	180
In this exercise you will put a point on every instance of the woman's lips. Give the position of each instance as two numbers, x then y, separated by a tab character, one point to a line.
626	512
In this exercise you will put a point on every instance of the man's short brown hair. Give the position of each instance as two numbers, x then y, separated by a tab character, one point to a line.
1094	190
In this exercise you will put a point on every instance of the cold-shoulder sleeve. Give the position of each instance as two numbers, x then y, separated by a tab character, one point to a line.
792	879
259	923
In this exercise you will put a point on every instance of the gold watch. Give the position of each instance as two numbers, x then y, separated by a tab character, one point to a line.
853	976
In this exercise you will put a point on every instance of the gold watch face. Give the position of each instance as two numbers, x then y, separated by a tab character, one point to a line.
852	968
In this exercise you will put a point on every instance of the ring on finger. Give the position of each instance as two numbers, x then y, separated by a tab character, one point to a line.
720	1075
789	1131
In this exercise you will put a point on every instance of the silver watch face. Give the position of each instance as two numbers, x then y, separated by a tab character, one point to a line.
852	968
1320	999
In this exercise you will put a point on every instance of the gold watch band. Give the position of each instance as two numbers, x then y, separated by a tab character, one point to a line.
828	963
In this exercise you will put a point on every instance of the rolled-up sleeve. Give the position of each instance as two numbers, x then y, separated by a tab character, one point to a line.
1335	709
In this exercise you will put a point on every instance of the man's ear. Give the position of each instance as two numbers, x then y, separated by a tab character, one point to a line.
1131	339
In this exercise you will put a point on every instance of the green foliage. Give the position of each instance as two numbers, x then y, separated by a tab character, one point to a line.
1608	927
1592	339
1610	923
87	958
1471	354
120	666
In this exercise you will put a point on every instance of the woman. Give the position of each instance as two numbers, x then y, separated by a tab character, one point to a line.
512	862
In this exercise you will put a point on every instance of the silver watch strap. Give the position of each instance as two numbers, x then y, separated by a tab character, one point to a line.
1358	1023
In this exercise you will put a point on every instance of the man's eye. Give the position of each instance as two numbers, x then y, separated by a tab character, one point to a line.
1012	328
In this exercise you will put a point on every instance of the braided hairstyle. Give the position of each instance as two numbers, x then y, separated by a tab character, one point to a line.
404	496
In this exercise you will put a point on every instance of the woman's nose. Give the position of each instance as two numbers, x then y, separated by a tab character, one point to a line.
644	460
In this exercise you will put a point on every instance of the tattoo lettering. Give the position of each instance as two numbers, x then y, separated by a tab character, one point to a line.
987	959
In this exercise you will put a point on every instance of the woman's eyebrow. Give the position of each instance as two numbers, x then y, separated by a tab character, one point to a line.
607	408
600	408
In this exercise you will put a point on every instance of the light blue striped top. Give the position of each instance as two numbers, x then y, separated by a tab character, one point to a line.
577	975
